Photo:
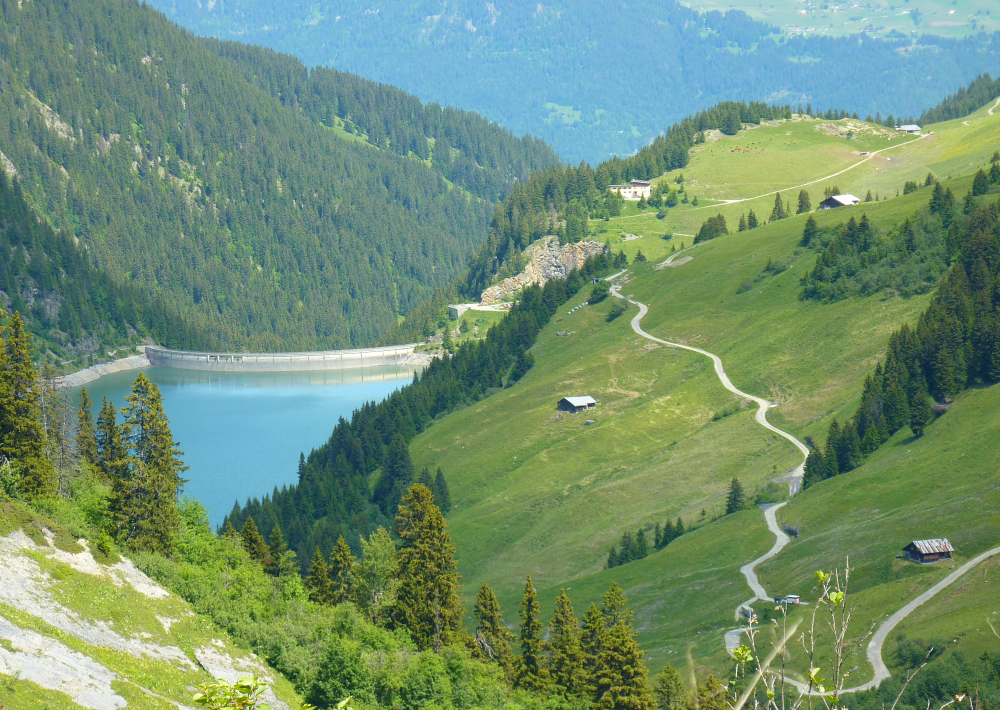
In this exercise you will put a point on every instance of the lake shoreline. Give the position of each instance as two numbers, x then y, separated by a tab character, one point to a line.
95	372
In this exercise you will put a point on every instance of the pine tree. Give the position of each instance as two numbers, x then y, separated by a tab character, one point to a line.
375	575
253	542
805	204
980	184
441	493
302	466
735	500
815	468
668	690
743	223
397	475
446	340
658	535
112	458
778	212
711	695
752	221
492	641
621	682
276	551
532	674
614	607
849	448
591	645
810	231
427	601
641	546
144	498
830	452
341	562
424	479
229	532
868	197
86	441
920	414
22	435
565	651
318	579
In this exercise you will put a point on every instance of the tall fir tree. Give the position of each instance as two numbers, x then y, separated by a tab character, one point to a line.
143	502
668	690
492	641
277	550
565	652
735	499
112	457
815	468
752	221
341	562
253	541
621	679
427	601
86	440
397	475
318	582
805	204
920	414
591	646
532	674
778	212
22	435
441	493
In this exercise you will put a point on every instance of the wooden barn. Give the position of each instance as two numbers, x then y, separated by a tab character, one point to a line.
927	551
576	404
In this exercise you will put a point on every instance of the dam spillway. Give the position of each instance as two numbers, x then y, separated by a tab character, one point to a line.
286	362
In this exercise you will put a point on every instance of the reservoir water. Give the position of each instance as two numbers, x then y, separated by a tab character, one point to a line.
241	433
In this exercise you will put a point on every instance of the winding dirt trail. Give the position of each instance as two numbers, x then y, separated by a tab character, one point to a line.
732	638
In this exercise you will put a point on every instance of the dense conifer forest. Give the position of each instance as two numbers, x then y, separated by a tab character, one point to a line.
73	307
175	174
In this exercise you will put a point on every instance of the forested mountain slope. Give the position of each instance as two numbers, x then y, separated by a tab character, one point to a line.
178	175
647	63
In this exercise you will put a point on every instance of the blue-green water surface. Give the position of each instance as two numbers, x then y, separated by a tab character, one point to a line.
241	433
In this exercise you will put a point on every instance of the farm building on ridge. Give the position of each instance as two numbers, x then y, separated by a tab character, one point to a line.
839	201
927	551
909	128
635	191
576	404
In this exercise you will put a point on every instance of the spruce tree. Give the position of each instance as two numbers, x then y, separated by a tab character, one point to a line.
22	435
112	458
743	223
805	204
668	690
641	546
621	681
778	212
710	695
565	650
920	414
532	674
492	641
276	551
830	457
397	475
441	493
427	601
253	542
591	645
736	499
815	468
86	440
144	498
318	579
374	576
341	562
752	221
424	479
810	231
614	607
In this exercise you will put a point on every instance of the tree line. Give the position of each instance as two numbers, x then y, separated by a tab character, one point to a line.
333	497
631	548
955	344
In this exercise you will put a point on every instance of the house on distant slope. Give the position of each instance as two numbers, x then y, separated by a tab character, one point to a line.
635	191
909	128
576	404
927	551
839	201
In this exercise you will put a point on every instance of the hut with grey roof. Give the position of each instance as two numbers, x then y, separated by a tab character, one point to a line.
927	551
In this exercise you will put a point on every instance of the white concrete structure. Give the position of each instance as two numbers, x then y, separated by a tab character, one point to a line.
634	191
909	128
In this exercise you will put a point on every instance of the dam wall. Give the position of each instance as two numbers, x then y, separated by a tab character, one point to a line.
286	362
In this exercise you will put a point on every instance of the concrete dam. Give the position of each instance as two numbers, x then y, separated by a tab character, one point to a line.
287	362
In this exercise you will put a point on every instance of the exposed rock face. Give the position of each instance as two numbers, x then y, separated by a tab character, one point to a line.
547	259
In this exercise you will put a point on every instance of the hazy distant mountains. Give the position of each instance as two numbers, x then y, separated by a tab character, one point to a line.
591	77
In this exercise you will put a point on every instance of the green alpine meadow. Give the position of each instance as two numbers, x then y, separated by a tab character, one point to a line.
614	357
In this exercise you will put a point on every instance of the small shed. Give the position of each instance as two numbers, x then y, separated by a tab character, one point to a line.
793	599
576	404
839	201
928	551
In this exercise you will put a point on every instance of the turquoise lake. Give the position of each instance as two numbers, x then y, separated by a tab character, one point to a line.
241	433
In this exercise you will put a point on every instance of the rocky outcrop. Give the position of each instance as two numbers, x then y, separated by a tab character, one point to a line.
546	259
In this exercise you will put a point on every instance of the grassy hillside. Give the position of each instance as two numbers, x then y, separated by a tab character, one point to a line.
80	632
542	493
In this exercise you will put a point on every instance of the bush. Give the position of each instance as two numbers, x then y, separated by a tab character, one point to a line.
600	291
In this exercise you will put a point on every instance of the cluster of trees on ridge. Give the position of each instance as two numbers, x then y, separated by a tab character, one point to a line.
333	497
71	305
632	548
955	344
